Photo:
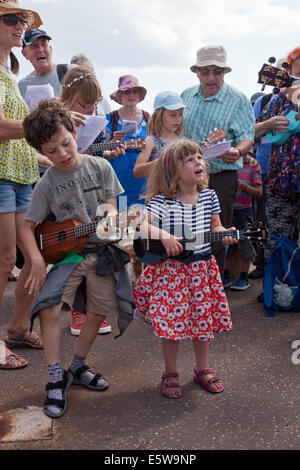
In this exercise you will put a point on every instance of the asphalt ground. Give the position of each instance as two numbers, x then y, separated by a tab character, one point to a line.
258	410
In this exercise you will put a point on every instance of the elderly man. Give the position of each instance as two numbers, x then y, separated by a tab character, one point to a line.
214	104
38	50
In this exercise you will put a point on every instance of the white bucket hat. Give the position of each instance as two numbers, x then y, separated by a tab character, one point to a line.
211	55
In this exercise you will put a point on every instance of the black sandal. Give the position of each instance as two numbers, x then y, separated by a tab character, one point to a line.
62	404
97	383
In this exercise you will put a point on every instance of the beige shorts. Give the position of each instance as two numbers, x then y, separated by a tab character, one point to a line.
100	290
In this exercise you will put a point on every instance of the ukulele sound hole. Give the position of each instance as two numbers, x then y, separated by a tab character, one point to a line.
62	236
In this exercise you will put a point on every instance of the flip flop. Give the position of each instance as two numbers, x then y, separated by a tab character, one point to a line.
12	362
30	339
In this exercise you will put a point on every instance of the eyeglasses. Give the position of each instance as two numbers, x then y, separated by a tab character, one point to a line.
12	20
215	72
88	106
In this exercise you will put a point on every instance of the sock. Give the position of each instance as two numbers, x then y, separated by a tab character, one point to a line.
55	374
77	362
244	276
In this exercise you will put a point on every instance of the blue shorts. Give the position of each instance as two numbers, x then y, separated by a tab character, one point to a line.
14	197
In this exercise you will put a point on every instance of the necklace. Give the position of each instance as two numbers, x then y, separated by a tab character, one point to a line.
7	68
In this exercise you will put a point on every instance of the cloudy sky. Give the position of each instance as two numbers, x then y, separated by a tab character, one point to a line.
157	40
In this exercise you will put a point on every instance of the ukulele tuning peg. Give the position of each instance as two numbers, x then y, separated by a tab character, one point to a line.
276	90
272	60
285	65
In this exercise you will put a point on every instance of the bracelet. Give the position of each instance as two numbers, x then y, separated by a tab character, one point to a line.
240	152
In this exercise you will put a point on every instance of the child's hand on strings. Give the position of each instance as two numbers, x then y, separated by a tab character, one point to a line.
231	238
172	245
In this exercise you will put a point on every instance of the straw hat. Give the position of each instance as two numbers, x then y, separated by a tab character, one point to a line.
12	6
125	83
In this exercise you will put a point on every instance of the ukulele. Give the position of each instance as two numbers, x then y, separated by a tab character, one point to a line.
275	76
56	240
279	138
215	136
151	251
132	144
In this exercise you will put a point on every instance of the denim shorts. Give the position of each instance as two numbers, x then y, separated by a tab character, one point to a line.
14	197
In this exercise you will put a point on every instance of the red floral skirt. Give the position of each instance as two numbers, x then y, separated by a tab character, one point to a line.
183	301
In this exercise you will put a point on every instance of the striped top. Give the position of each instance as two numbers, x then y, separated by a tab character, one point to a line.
229	109
250	176
181	219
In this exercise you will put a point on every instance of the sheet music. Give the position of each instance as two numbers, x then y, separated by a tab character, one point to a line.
88	133
212	153
37	93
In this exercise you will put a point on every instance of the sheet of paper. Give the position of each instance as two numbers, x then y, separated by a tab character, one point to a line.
129	127
37	93
212	153
88	133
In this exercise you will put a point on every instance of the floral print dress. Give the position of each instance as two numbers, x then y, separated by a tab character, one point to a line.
184	301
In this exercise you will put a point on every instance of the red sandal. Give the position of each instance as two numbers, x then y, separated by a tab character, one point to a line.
165	385
207	384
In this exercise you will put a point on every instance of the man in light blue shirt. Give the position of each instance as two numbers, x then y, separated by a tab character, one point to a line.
214	104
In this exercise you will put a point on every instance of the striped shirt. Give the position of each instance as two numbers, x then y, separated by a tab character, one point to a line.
181	219
229	109
250	176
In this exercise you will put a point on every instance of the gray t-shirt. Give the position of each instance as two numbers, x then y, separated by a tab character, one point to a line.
75	194
31	79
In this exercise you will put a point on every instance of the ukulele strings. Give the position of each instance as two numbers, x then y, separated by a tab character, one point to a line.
83	231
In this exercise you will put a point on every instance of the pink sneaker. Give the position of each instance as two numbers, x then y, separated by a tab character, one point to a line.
104	328
78	320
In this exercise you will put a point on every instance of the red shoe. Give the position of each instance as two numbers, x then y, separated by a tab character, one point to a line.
78	320
104	328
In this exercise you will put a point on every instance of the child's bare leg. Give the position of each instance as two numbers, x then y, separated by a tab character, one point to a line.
50	329
245	265
201	356
88	333
83	375
170	351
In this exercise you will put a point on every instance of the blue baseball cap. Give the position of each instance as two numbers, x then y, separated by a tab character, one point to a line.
168	100
32	35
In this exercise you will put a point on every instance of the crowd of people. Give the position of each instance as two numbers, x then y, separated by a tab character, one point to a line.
43	176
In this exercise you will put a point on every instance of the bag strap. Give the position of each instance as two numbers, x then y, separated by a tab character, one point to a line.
290	263
146	115
114	120
61	70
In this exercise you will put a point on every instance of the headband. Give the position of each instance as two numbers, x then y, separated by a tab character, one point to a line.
77	79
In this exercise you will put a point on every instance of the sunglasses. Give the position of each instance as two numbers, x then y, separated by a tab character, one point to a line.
88	106
12	20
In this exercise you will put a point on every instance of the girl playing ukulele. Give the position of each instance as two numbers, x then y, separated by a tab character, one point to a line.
185	298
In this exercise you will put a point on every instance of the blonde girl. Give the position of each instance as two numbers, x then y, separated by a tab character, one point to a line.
184	296
164	128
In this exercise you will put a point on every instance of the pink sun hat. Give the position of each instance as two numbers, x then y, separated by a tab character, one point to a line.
126	82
